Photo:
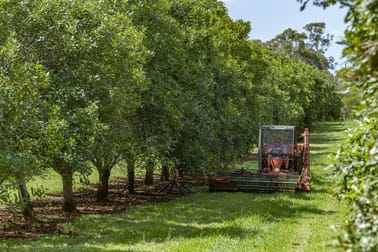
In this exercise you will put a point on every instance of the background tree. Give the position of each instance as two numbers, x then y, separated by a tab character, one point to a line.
317	40
293	92
308	46
212	117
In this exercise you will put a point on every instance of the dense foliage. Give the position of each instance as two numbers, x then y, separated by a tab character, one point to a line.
21	121
357	167
174	84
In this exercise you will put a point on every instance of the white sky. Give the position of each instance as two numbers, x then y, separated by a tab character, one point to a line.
271	17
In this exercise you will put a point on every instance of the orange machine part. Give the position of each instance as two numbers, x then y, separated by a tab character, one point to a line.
276	164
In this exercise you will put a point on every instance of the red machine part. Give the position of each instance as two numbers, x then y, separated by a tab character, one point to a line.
305	176
276	164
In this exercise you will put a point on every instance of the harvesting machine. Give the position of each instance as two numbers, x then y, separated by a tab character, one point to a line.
283	164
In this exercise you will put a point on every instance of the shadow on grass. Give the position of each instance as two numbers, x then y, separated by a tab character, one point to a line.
202	215
328	133
336	126
199	216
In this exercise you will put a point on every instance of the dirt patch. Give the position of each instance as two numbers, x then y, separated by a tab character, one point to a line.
51	217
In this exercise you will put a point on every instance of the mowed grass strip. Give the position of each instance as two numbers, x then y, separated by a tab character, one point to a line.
216	221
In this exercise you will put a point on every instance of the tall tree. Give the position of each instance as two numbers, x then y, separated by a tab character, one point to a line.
213	115
21	120
308	46
317	40
159	118
118	88
91	52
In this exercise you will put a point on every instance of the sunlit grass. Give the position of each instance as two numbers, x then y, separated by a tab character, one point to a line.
216	221
251	166
51	181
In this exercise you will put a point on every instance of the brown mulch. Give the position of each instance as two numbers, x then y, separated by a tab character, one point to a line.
51	217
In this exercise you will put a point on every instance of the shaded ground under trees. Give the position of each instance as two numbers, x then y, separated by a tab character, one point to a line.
51	217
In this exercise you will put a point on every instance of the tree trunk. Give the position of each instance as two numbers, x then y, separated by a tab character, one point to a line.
131	176
164	173
27	208
103	184
149	178
69	204
180	173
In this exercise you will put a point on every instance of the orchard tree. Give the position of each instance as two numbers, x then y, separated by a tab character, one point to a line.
87	48
157	122
118	87
191	113
21	122
218	84
46	32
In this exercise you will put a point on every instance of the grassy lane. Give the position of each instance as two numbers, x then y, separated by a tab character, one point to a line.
217	221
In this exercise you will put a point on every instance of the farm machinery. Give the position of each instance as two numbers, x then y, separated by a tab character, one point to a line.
283	164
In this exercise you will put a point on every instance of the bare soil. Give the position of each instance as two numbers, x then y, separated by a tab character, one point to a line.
51	217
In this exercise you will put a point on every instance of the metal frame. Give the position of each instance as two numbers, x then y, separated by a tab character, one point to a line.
273	127
266	180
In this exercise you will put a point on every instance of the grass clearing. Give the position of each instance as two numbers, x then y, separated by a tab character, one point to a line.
51	182
216	221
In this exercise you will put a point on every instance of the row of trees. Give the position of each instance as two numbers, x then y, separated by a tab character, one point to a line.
90	83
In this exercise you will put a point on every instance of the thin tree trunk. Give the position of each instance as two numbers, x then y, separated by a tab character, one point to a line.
27	208
131	176
103	184
164	173
149	178
180	173
69	204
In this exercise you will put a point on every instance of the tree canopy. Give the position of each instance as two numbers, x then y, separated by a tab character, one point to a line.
152	82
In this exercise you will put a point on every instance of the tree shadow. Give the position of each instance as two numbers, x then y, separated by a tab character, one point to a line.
208	215
199	215
336	126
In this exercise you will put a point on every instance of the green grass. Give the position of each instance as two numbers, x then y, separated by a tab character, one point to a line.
216	221
51	182
252	166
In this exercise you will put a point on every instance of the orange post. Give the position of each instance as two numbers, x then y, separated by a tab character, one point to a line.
305	178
